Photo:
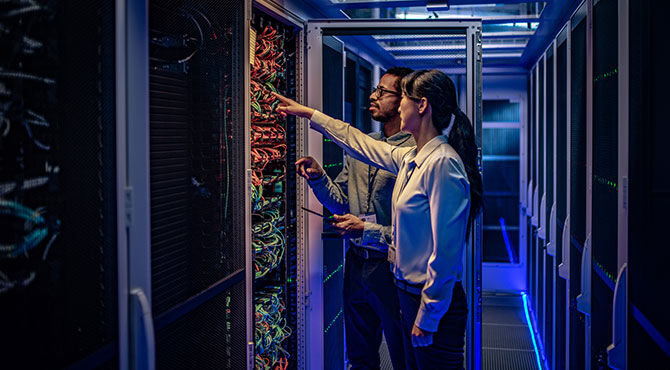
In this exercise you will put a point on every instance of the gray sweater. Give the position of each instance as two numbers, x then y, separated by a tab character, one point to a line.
363	189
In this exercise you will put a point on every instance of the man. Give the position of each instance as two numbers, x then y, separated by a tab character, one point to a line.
362	192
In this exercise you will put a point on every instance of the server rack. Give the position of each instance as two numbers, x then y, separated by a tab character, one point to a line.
274	149
532	187
535	200
641	334
59	301
334	100
225	264
560	205
549	254
562	91
196	141
542	199
578	170
593	189
604	179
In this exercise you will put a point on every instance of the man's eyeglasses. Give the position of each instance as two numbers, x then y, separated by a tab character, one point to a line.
378	91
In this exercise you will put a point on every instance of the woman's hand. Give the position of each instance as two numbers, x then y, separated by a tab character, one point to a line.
290	106
421	338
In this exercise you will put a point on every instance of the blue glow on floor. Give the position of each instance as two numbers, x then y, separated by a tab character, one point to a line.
532	331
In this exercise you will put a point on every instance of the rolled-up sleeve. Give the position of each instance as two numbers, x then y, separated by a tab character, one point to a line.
449	201
332	194
376	235
359	145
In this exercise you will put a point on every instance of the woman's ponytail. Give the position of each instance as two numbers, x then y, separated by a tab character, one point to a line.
462	139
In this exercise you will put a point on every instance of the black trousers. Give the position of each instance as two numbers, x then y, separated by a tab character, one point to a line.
370	307
446	352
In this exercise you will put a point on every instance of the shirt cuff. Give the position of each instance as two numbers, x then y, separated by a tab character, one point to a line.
371	233
428	321
319	118
319	181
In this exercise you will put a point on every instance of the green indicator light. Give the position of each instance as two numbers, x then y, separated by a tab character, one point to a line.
338	269
332	165
333	322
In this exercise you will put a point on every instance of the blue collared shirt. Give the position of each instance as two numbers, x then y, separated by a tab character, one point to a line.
430	207
362	189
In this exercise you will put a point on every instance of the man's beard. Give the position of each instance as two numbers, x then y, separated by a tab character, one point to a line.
381	117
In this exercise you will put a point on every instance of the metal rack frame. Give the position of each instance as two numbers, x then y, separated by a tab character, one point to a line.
313	226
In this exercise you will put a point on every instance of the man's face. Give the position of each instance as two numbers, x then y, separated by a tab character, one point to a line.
385	100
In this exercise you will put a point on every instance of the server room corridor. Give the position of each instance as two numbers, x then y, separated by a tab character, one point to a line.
163	207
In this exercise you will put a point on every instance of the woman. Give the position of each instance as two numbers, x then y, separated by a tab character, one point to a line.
436	196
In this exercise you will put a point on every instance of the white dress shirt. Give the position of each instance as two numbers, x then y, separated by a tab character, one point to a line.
430	207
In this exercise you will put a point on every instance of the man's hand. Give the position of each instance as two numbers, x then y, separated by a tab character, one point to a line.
421	338
349	226
309	168
290	106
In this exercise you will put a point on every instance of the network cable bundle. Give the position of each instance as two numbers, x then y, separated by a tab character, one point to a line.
57	204
273	195
28	227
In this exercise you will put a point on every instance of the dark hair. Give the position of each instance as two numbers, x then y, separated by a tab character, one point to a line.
440	92
398	72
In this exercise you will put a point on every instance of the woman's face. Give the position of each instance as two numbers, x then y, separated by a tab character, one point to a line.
409	114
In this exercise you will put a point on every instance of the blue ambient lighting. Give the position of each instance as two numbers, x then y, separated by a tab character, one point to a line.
530	328
510	253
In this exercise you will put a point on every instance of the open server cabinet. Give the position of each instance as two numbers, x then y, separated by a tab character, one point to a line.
214	260
470	31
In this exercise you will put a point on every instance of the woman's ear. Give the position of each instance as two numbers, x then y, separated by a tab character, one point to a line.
423	105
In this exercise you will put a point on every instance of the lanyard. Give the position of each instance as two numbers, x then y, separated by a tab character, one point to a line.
371	181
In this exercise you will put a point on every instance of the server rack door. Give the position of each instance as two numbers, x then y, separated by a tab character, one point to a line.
649	189
577	180
533	219
197	61
549	260
605	175
531	180
334	100
541	170
561	197
58	194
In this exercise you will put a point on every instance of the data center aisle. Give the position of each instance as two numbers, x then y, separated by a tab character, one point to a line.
506	340
507	343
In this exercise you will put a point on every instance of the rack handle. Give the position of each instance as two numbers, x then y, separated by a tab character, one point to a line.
564	267
542	228
584	299
616	352
143	336
533	220
551	245
529	199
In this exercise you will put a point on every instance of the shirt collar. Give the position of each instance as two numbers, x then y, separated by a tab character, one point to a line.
430	146
397	138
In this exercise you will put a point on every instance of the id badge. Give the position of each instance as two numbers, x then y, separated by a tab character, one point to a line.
370	217
391	255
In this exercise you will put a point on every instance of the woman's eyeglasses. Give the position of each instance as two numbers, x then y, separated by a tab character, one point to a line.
378	91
